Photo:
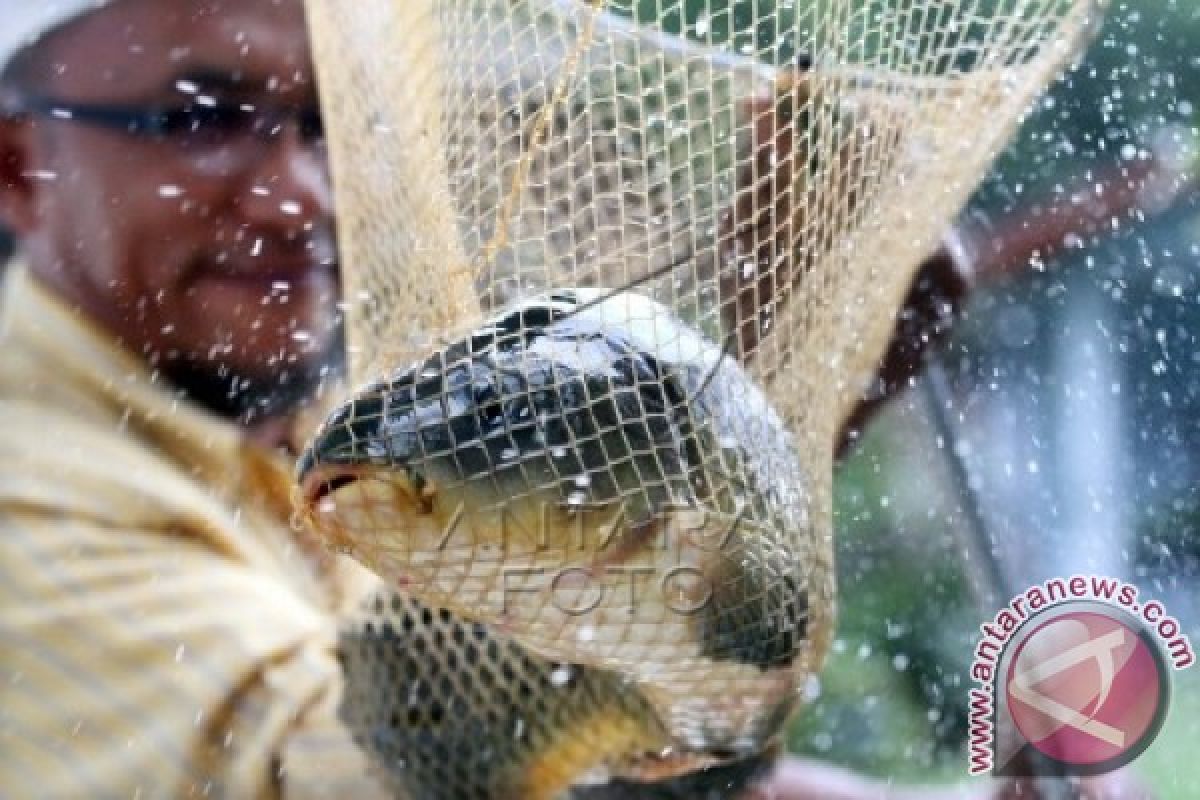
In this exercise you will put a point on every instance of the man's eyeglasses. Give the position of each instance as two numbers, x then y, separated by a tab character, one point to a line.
215	137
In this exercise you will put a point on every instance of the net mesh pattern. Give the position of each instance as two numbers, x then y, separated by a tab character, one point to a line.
616	271
453	709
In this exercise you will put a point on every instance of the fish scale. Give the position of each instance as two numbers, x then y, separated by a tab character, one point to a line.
714	670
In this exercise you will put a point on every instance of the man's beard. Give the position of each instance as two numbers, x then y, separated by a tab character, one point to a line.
248	398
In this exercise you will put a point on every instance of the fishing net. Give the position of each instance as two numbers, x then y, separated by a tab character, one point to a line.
621	269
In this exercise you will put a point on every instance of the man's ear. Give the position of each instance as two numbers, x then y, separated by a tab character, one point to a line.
18	179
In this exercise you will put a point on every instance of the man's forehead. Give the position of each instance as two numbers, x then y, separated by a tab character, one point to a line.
133	49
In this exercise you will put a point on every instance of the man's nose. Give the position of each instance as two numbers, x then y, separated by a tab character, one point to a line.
289	186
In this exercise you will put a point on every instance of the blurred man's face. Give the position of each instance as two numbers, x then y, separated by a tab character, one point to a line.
208	249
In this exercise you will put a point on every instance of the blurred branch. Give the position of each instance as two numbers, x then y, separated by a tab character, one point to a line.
1093	210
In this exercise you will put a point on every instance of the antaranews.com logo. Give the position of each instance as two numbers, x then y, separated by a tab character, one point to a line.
1074	672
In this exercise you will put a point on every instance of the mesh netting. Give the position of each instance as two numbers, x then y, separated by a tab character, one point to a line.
616	272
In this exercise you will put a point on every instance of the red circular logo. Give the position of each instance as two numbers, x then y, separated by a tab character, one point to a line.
1087	688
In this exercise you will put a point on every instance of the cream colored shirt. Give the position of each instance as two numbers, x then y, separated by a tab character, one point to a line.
164	632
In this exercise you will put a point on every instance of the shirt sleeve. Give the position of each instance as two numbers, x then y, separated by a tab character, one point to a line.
139	663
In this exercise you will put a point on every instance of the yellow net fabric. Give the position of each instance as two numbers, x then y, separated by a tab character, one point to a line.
513	146
741	189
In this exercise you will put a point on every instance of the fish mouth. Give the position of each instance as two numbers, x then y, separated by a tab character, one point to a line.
338	456
347	448
321	482
357	445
